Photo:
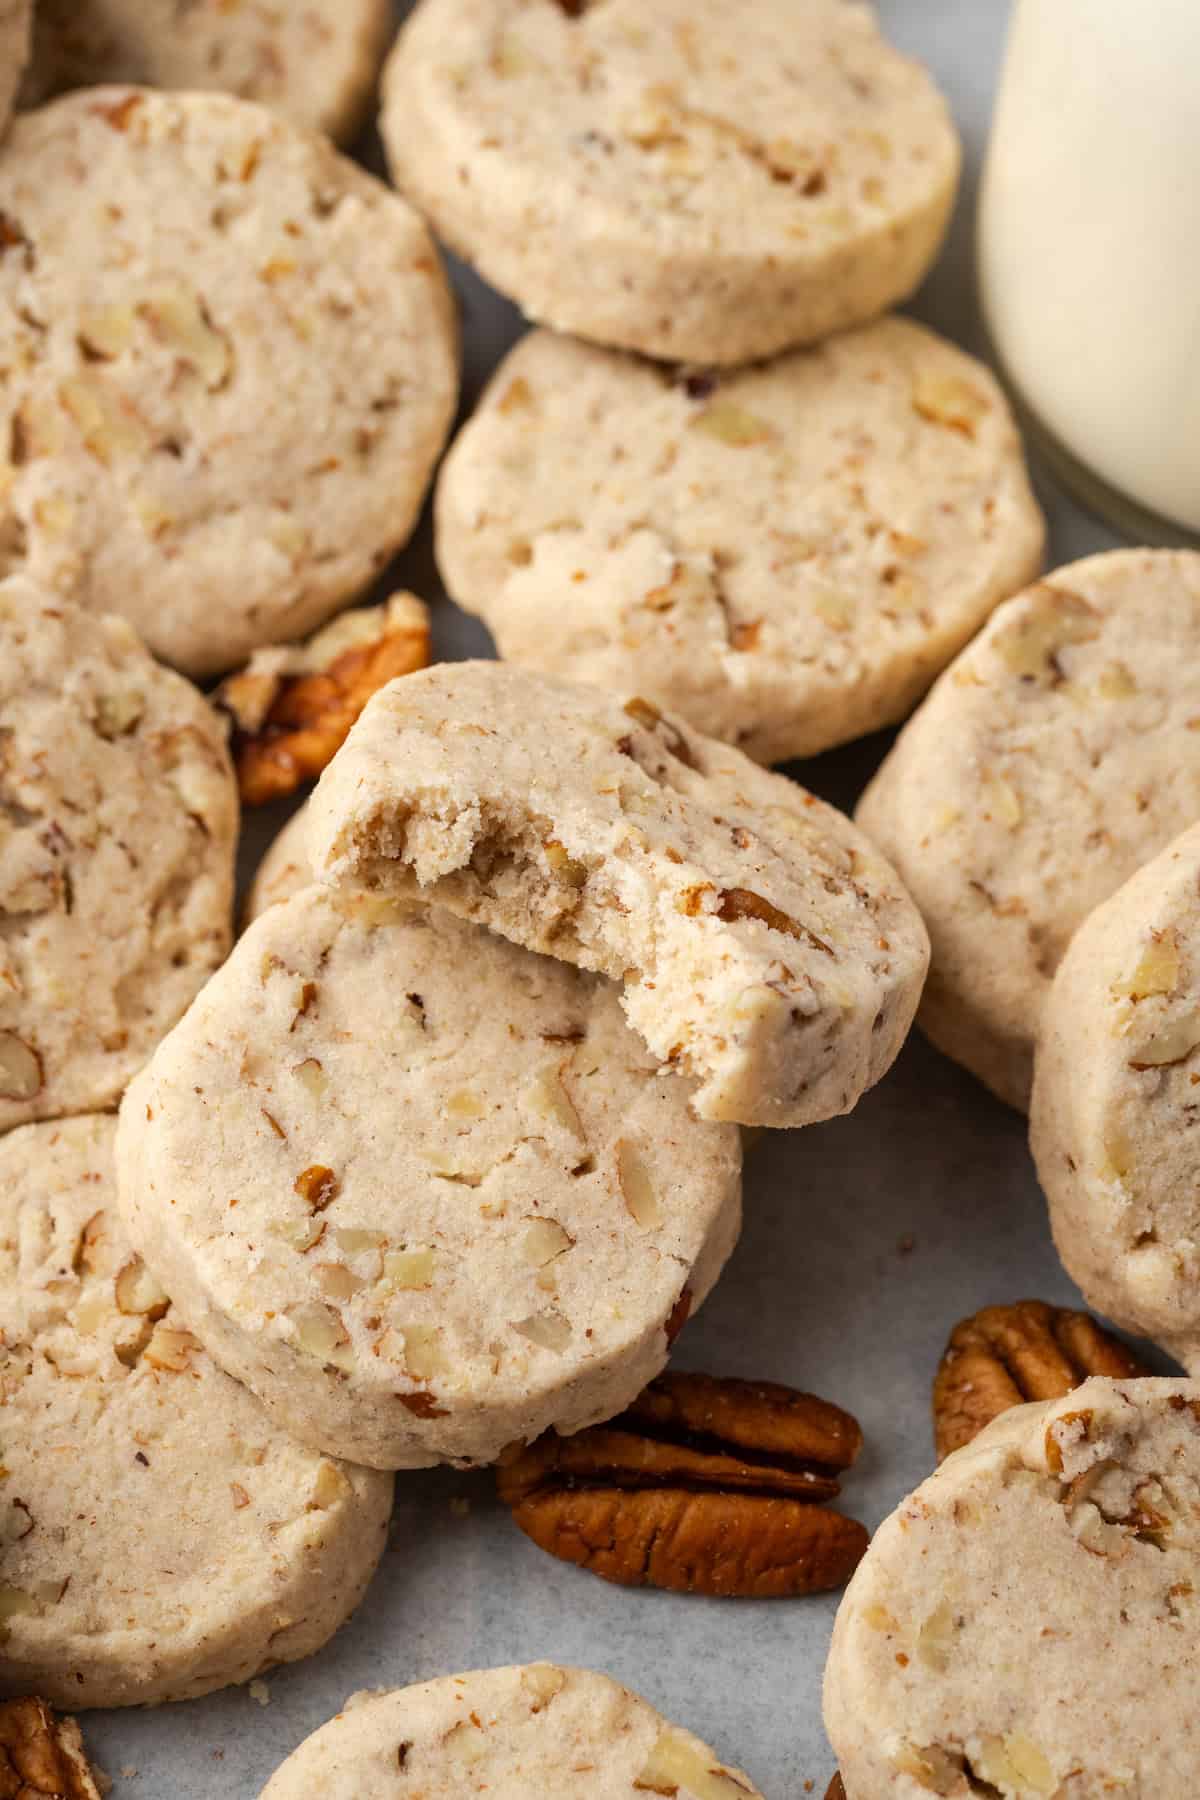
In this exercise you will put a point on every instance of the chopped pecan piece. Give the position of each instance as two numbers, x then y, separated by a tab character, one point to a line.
837	1788
41	1756
292	709
703	1486
743	903
1006	1355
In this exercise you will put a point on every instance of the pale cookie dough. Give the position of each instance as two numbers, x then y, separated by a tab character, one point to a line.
315	61
1112	1125
698	181
787	555
230	362
15	21
508	1734
766	949
118	820
1054	757
159	1537
424	1192
1024	1626
284	870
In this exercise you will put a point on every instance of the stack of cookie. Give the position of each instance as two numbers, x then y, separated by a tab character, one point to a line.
781	534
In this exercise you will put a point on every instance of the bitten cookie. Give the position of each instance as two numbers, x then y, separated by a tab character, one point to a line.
765	948
315	62
509	1733
231	364
1024	1624
159	1537
118	817
1112	1123
786	555
15	21
424	1192
696	181
1053	758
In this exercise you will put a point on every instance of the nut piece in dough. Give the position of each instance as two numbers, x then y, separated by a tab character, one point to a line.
315	61
292	706
42	1757
1114	1103
1053	758
118	820
766	949
787	554
699	182
1023	1626
159	1536
468	1203
230	364
509	1733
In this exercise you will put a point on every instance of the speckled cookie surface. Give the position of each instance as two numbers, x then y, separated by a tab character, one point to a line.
699	182
1057	754
228	349
765	948
15	21
468	1206
118	814
315	61
787	555
1024	1625
159	1537
1112	1124
506	1733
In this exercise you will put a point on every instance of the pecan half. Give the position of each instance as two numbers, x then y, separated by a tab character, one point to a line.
292	709
703	1486
1006	1355
41	1756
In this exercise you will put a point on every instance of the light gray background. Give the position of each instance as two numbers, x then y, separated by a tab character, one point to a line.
865	1240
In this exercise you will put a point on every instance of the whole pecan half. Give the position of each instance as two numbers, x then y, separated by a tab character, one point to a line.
1006	1355
292	708
704	1485
41	1756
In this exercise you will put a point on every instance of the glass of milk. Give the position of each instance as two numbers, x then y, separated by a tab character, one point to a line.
1089	250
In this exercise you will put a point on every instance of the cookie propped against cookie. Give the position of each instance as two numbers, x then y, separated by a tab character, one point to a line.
766	949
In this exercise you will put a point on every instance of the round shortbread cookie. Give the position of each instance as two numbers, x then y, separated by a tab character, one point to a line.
786	555
1112	1124
284	870
422	1191
765	948
1024	1624
232	363
315	62
506	1733
16	17
696	181
159	1537
118	820
1056	755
